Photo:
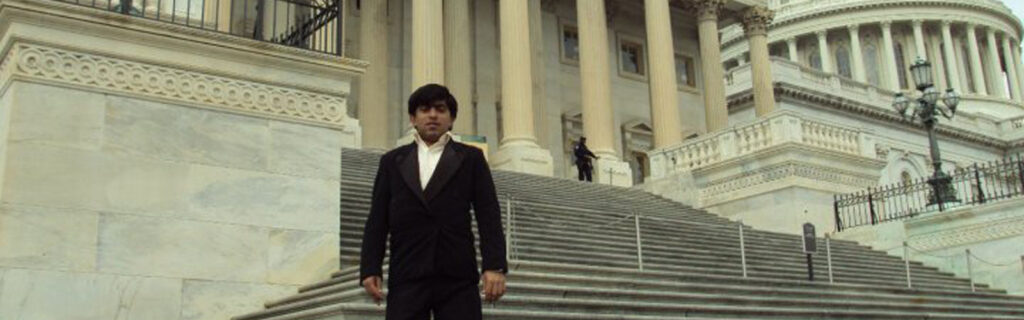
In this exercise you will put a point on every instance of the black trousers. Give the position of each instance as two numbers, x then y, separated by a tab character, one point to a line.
446	298
585	173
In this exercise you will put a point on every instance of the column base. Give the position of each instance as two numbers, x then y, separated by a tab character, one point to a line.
524	157
613	171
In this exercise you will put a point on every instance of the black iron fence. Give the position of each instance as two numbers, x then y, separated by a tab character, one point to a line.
974	185
309	24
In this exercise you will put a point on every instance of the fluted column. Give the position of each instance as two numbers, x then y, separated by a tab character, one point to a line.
857	54
823	52
598	122
373	87
1018	69
976	71
919	39
938	66
890	57
1011	72
519	150
427	42
661	56
994	67
715	112
794	54
755	24
458	69
598	125
951	62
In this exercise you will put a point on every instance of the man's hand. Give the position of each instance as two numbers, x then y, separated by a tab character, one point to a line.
372	285
494	285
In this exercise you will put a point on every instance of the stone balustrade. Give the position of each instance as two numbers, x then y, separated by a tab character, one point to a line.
777	129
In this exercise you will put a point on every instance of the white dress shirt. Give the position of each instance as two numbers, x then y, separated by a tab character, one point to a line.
429	156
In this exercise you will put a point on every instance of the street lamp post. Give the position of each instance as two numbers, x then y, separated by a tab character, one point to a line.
925	110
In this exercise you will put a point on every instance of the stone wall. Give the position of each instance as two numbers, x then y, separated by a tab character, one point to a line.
141	182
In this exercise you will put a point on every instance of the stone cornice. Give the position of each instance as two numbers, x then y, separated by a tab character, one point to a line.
783	19
37	63
821	99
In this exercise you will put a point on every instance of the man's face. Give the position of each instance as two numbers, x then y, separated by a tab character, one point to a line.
431	121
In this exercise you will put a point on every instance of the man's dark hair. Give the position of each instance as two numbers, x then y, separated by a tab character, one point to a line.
430	93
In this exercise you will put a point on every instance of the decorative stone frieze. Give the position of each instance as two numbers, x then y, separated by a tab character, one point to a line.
756	20
118	75
963	235
722	189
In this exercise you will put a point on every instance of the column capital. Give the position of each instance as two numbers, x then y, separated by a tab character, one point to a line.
886	24
821	33
917	22
990	30
946	23
971	25
853	27
708	9
756	20
791	40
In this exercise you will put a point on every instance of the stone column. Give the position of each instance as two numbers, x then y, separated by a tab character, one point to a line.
427	43
373	87
794	54
824	52
919	39
938	65
951	61
857	54
598	117
755	24
1018	69
715	112
663	87
994	66
1011	72
458	67
519	150
890	57
976	70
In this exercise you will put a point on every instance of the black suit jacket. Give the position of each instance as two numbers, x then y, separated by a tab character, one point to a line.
430	229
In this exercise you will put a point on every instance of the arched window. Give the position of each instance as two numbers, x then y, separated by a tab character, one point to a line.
843	61
901	66
815	60
871	64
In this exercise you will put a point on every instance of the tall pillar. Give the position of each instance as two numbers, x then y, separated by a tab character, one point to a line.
1011	72
890	57
951	62
1018	69
519	150
755	24
794	54
427	42
716	113
919	39
373	87
598	122
663	87
857	54
457	54
938	66
823	52
994	67
976	70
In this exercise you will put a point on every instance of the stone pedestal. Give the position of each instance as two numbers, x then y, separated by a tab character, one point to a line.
523	157
613	172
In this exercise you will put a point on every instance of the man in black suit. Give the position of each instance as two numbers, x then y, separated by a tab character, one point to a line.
421	197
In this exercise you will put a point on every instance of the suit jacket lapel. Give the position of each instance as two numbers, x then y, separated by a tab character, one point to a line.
410	169
446	168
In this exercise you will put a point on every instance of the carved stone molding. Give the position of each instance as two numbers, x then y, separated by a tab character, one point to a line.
92	71
982	232
756	20
722	189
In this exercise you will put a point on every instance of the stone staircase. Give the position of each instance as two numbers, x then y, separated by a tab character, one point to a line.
574	256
